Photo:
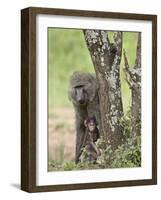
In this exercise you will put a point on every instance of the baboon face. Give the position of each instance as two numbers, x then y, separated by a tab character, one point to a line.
82	88
80	95
91	124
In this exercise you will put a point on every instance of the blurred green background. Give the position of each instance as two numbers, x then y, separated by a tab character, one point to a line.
68	52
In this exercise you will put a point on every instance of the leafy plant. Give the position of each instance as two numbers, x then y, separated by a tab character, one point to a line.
126	155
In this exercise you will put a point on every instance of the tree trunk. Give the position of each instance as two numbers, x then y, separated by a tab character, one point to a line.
106	58
133	77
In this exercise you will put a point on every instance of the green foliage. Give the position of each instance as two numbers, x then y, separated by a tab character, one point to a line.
54	166
126	155
69	166
57	166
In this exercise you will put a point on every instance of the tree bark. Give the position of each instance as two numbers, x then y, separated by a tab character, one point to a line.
106	59
133	77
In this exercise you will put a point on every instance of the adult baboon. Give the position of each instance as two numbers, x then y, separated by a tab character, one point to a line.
83	92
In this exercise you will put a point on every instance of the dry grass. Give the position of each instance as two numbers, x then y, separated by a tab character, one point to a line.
61	135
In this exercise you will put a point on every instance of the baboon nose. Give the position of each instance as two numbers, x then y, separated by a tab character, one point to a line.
81	101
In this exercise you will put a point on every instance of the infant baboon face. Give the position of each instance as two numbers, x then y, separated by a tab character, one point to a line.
91	126
80	95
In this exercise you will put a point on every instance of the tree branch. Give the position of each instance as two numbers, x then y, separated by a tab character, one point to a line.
127	71
133	77
105	40
99	46
118	48
138	53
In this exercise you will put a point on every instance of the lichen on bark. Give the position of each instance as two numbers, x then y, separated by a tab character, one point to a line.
106	58
133	78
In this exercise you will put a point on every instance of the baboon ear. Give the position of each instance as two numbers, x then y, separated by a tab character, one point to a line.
85	123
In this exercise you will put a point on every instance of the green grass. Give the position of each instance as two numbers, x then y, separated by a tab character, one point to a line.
68	53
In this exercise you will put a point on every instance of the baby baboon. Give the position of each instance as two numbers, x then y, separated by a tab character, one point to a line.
91	136
83	92
91	128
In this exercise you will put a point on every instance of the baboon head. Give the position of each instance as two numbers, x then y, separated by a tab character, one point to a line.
82	88
80	95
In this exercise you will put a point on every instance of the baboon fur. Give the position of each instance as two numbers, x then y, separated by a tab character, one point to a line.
83	92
